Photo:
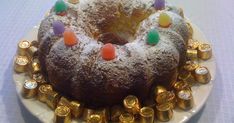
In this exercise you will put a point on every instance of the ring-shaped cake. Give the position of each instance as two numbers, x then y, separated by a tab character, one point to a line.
80	71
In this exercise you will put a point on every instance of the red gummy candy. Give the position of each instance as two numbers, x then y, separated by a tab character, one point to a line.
108	52
70	38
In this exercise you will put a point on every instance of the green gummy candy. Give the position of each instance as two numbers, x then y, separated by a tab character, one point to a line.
60	6
152	37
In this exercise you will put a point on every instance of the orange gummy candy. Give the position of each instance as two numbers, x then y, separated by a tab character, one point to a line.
70	38
108	52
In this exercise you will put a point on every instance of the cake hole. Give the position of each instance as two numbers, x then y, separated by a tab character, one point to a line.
120	28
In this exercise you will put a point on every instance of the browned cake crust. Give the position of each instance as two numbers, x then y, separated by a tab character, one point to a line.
80	72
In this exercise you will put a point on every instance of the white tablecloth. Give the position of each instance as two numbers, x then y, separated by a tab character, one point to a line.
214	17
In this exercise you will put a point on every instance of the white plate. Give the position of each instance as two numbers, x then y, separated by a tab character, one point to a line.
200	92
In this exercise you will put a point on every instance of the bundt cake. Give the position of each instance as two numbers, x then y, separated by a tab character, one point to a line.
100	51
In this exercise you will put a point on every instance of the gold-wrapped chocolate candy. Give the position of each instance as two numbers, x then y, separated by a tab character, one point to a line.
164	112
39	78
204	51
32	51
23	47
21	64
76	108
146	115
95	118
43	90
126	118
187	77
64	102
202	75
193	44
35	67
52	99
159	89
185	99
29	89
73	1
87	113
181	85
190	30
116	111
190	66
166	97
62	115
191	54
104	113
131	104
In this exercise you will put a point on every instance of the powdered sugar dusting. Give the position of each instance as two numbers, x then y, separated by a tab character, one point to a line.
80	72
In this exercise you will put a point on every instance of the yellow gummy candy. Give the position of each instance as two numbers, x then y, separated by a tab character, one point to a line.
164	20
